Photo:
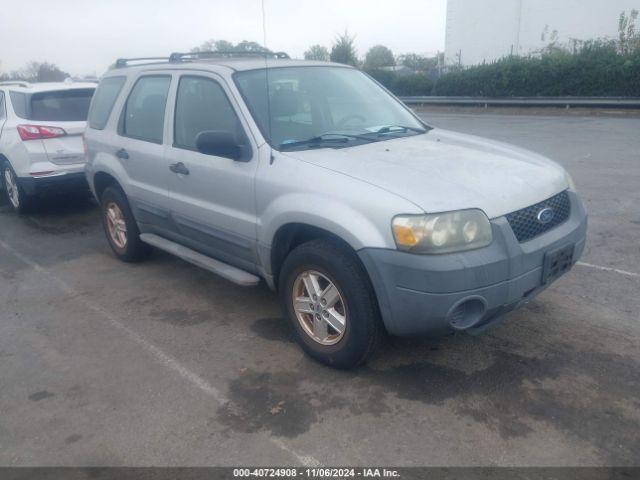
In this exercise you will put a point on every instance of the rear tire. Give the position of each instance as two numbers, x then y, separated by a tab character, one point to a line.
317	265
19	201
121	228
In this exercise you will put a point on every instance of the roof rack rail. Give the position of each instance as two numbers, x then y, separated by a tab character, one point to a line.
124	62
183	57
18	83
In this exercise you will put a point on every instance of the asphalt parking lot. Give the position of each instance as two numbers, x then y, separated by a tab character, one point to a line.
161	363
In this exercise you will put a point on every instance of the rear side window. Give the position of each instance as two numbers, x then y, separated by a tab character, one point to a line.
19	104
103	101
61	106
143	114
202	105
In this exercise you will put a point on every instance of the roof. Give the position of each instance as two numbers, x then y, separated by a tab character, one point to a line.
47	86
232	63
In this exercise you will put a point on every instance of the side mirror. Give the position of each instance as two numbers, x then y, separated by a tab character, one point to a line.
221	144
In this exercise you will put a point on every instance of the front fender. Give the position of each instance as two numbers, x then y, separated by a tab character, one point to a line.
323	212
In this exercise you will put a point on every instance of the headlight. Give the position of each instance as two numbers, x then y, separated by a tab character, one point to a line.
442	232
572	186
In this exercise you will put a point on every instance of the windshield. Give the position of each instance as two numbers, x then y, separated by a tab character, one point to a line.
309	105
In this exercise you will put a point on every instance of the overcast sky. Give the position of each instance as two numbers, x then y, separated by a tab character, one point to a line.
85	36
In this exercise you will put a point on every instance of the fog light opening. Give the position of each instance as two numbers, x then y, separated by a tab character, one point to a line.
467	313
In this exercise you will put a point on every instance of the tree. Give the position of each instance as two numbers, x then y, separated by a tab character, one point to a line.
246	46
37	72
226	46
344	50
317	52
418	62
214	45
628	38
377	57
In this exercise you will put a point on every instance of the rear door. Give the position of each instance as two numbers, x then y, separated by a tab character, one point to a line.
66	109
140	149
213	205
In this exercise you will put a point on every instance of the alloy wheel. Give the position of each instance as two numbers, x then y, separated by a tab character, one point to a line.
12	188
319	307
116	225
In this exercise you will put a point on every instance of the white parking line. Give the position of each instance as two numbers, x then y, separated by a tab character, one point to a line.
162	357
609	269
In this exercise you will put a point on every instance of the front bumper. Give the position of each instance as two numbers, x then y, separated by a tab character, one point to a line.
68	182
436	294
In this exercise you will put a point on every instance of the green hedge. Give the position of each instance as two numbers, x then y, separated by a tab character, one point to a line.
408	85
595	70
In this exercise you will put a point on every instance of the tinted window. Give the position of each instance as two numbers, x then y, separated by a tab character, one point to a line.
143	115
103	101
61	106
19	103
202	105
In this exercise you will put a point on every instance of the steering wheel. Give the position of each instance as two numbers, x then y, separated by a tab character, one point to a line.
348	118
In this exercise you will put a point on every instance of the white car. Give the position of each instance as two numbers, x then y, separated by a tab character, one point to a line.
41	127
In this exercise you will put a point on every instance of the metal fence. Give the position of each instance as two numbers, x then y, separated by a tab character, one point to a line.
563	102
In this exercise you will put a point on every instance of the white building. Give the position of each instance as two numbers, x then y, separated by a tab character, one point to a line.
486	30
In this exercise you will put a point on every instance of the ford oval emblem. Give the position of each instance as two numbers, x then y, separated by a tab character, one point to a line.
545	215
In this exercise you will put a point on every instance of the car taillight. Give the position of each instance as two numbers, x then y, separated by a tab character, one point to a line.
38	132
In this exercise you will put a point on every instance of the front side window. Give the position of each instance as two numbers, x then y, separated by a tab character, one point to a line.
294	104
202	105
103	101
143	114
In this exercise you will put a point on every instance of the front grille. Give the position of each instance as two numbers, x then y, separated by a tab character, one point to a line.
525	223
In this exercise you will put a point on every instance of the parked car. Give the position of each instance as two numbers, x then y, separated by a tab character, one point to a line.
315	179
41	126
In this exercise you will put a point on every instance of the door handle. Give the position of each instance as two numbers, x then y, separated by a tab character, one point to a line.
179	168
122	154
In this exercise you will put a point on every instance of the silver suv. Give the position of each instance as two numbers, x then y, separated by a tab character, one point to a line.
41	126
315	179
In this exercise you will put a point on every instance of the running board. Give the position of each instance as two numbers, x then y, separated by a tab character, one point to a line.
232	274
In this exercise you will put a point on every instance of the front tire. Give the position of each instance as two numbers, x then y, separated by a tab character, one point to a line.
328	298
19	201
121	228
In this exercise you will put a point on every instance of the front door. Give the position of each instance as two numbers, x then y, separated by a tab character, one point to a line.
212	198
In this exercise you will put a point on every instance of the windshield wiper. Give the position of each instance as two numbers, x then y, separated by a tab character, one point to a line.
398	128
329	137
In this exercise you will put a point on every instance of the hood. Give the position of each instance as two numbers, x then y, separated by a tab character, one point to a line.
443	171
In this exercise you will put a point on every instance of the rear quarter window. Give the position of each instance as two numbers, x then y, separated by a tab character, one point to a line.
103	101
19	104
